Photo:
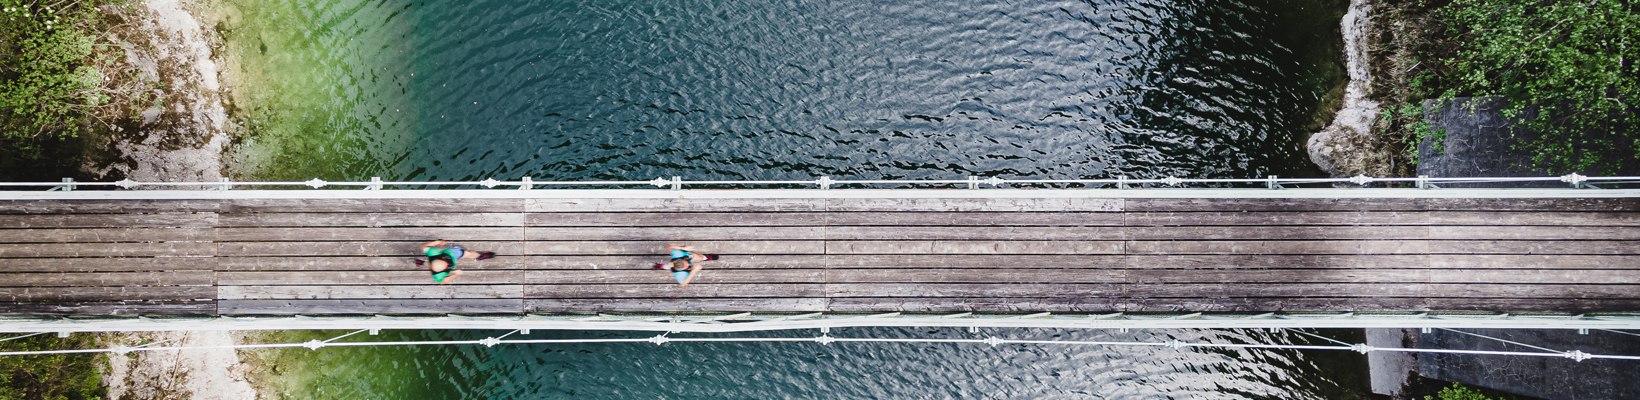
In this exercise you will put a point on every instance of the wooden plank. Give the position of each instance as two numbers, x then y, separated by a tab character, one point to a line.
110	264
973	247
673	205
675	305
1028	276
107	206
712	233
1384	218
659	247
671	219
1589	247
672	290
322	278
371	220
406	262
1466	261
1277	232
650	276
106	249
1536	261
1534	204
1208	291
1550	233
974	218
104	235
408	249
1285	247
370	306
109	220
426	291
674	234
1384	204
973	261
415	234
112	308
107	279
132	293
697	219
1053	204
398	262
1274	204
973	233
452	205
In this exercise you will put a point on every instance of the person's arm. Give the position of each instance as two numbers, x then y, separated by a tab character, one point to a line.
428	245
452	276
694	272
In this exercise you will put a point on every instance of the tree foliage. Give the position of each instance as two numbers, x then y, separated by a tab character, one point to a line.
50	84
1567	68
52	377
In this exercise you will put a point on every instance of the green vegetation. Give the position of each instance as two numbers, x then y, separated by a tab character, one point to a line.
1567	70
1458	392
52	377
50	83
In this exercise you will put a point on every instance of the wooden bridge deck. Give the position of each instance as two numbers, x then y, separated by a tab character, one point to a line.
303	256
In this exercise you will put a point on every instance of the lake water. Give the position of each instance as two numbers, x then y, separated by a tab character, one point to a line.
620	89
578	90
815	371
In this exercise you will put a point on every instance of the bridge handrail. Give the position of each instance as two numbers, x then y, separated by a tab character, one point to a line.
825	182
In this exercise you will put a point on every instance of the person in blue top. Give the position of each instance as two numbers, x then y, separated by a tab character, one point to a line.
441	261
685	263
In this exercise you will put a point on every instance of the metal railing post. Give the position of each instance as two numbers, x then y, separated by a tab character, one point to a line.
375	183
677	183
225	185
1272	183
1121	182
1423	182
973	182
67	186
526	183
824	182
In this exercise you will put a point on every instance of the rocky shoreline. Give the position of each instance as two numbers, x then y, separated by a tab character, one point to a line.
1349	145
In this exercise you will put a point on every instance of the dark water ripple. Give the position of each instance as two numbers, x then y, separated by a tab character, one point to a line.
839	370
919	89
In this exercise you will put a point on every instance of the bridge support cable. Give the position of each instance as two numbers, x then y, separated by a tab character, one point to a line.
827	339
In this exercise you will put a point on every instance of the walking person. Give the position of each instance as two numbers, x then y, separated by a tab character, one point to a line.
441	260
685	264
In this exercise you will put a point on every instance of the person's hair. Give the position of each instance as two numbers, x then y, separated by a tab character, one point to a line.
436	260
680	264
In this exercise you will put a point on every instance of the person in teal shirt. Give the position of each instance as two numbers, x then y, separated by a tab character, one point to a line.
685	263
441	261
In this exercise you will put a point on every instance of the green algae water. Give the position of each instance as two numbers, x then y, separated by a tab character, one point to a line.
810	370
633	90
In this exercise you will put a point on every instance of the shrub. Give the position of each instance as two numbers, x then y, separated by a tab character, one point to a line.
50	84
1566	68
52	377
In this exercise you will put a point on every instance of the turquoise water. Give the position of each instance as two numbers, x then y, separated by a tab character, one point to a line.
571	90
616	89
810	370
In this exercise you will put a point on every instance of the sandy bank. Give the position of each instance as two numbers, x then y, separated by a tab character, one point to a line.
201	374
182	135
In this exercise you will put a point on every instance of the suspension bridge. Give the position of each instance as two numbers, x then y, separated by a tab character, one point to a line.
1430	253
